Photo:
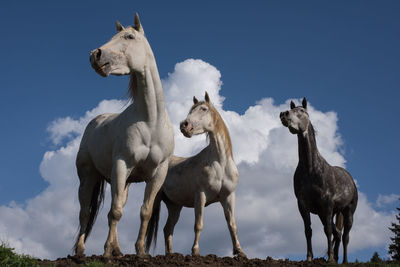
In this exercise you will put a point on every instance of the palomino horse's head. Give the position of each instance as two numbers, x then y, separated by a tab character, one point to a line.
296	119
124	53
200	118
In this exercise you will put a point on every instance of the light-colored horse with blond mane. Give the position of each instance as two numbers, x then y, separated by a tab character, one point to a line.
130	147
208	177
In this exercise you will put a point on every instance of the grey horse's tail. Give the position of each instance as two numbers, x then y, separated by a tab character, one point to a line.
338	231
95	203
339	221
152	227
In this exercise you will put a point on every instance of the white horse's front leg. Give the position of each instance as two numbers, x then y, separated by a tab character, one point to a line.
119	194
150	192
200	202
228	205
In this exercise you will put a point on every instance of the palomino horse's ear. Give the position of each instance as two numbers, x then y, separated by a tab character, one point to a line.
138	25
292	105
195	101
304	103
207	98
119	26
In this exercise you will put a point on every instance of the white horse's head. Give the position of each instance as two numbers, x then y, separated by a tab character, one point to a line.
296	119
200	119
125	53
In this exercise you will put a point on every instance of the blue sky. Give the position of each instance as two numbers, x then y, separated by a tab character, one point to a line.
342	55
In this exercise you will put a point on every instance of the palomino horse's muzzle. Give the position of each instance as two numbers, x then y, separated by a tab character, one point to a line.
186	128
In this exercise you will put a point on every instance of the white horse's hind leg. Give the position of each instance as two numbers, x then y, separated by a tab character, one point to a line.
89	179
173	217
119	194
200	201
152	187
228	205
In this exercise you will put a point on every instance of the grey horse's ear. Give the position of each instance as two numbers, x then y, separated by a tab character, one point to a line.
119	26
304	103
195	101
138	25
292	105
207	98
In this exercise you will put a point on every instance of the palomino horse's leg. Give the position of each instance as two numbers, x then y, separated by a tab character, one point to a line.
152	187
305	214
326	220
173	217
200	201
119	191
88	181
228	205
348	223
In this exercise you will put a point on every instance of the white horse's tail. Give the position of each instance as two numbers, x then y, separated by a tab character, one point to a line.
152	227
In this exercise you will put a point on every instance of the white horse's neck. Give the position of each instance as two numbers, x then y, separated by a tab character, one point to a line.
147	93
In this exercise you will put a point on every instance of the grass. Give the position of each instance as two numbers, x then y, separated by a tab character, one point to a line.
8	258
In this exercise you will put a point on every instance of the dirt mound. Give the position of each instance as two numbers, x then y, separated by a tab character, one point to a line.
177	259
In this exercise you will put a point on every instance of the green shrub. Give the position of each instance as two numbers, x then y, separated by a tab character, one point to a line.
8	258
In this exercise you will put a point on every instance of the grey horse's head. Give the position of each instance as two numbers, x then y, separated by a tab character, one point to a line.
125	53
296	119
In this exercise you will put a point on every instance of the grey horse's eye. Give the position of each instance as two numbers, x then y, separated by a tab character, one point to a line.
129	36
203	109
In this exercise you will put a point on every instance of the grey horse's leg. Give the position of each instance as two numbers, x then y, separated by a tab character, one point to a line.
326	219
89	178
337	234
173	216
305	214
150	192
200	201
348	223
119	192
228	205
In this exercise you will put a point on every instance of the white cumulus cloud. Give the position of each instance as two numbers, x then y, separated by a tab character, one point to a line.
266	211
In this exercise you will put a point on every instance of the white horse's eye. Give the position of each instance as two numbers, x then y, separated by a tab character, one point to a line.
129	36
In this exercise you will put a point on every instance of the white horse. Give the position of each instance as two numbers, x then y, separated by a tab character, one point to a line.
130	147
208	177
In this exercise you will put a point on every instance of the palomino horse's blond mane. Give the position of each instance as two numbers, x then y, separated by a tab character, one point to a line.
219	124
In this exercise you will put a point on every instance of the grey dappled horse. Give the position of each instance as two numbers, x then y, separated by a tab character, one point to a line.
320	188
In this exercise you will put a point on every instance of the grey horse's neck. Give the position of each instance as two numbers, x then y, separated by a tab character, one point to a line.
309	156
146	91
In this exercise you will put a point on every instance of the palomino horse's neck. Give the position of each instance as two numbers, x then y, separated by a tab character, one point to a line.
220	140
146	90
309	155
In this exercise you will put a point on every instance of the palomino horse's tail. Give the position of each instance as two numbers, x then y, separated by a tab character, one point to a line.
152	227
95	203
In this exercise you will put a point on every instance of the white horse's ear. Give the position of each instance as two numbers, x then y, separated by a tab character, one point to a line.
207	98
304	103
138	25
195	101
292	105
119	26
